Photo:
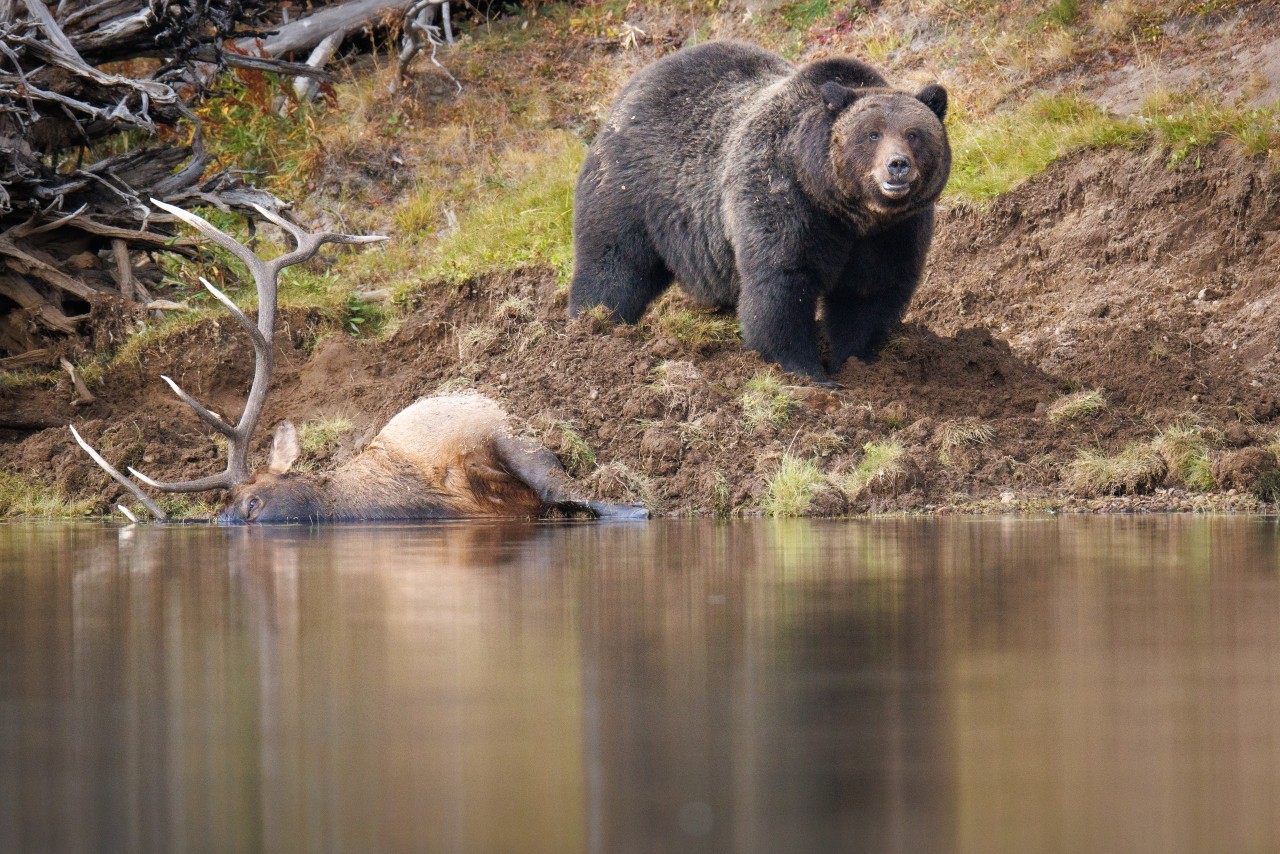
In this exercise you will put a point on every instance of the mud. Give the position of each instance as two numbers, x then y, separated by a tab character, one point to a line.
1112	271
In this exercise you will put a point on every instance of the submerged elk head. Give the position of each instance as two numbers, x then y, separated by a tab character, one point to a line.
274	495
889	149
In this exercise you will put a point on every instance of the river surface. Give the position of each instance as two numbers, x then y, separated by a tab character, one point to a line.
990	685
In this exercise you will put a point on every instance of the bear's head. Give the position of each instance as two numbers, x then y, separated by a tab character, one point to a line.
888	149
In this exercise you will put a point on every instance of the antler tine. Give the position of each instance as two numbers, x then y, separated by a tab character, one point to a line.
248	325
213	420
155	509
226	241
200	484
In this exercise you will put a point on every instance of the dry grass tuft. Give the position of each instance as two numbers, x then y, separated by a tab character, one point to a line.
882	470
765	400
1136	470
1077	407
955	436
793	487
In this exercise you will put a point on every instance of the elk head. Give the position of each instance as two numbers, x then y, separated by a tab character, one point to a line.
266	279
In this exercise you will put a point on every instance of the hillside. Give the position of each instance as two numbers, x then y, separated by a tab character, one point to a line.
1096	330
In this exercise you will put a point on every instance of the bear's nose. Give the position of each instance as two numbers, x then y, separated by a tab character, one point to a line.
898	167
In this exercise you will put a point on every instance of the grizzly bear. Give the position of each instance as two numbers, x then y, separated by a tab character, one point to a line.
784	192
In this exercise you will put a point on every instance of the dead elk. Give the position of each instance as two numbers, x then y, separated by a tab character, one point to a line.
445	457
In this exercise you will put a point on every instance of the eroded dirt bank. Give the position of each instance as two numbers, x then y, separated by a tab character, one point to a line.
1157	286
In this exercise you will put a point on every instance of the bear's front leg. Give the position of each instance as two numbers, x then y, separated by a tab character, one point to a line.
776	312
871	295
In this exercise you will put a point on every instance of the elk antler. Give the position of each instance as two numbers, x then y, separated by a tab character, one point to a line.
265	276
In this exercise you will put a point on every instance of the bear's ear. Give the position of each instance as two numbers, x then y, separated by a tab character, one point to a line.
934	97
837	96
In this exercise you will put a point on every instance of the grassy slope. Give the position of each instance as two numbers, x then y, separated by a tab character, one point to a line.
484	181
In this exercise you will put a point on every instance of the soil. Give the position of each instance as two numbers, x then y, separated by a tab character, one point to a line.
1157	285
1111	270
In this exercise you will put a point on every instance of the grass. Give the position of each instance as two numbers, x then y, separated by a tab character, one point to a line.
526	221
568	444
991	155
793	487
882	466
1136	470
765	400
955	436
26	496
700	331
1185	451
1080	406
1183	124
622	483
319	436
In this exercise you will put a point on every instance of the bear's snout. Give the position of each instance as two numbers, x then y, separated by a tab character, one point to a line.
898	168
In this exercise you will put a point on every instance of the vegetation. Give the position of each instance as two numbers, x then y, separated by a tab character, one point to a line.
319	436
954	436
699	330
882	466
793	487
25	496
1185	451
1077	407
1136	470
765	399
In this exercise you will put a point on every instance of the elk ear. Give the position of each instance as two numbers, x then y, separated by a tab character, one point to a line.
837	96
284	448
934	97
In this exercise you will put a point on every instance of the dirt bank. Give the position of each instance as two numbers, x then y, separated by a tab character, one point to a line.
1155	286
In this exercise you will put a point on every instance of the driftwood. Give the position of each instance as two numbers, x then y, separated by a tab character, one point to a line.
73	214
75	224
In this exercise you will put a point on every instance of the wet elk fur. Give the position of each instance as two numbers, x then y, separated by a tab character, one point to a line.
446	457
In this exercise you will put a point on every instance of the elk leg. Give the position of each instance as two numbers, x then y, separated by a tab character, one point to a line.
540	469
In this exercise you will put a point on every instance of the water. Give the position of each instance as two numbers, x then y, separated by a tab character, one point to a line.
1075	685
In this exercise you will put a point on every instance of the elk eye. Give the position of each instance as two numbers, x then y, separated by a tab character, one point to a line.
254	504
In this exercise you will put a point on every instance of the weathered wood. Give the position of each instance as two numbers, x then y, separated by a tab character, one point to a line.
26	360
306	33
17	289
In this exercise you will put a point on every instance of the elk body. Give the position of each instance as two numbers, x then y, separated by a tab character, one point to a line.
445	457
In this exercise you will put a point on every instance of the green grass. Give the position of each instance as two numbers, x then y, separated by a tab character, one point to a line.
25	496
793	487
1063	12
568	444
1185	451
321	435
699	330
765	400
802	14
1136	470
1184	124
528	222
882	465
993	155
1076	407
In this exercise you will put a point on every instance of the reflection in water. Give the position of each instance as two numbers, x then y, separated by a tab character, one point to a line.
901	685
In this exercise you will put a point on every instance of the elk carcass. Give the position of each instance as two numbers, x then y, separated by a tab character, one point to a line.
452	456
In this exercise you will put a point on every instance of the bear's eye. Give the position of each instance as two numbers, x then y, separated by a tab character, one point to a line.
874	136
912	136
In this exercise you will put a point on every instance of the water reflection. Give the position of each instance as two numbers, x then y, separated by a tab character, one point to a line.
904	685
